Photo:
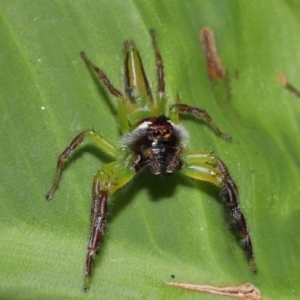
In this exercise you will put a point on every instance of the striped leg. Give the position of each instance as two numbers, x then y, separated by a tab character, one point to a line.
106	181
204	166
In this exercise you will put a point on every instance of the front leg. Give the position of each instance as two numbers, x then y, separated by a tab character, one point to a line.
199	112
204	166
106	181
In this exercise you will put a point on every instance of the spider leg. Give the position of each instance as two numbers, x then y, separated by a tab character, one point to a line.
136	82
159	67
106	181
160	102
230	196
204	166
102	141
184	108
125	103
102	77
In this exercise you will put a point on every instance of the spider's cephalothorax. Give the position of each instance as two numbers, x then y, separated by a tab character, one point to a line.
154	138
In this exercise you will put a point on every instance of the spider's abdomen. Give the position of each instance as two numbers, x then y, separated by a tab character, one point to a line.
158	143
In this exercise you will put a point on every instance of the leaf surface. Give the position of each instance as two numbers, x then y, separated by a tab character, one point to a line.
159	228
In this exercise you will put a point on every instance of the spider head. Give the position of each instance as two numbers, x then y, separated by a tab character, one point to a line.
157	142
155	132
160	130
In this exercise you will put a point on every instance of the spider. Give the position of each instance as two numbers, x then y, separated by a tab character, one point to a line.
152	137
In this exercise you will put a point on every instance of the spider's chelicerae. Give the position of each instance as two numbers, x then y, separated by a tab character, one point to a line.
153	138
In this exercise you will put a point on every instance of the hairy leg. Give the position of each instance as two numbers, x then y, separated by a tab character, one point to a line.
184	108
230	196
159	67
91	134
107	180
204	166
102	77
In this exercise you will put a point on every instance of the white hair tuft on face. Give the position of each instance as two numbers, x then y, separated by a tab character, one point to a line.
182	134
129	138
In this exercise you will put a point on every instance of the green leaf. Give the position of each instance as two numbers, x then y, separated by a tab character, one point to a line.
158	227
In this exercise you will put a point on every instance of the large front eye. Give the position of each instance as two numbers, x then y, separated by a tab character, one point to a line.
166	134
156	134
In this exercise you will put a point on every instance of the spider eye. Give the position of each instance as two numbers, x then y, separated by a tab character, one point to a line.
166	134
156	133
